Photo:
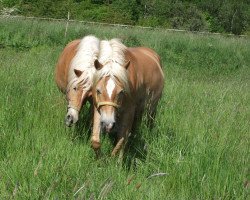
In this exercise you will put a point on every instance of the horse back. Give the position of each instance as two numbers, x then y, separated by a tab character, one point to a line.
147	66
63	64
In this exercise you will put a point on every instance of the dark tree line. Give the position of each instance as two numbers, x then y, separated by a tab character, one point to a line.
228	16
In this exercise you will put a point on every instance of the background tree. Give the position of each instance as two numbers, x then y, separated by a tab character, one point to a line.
228	16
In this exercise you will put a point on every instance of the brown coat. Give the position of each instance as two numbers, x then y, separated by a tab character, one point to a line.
146	82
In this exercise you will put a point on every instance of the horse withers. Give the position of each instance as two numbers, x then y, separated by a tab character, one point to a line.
126	81
74	73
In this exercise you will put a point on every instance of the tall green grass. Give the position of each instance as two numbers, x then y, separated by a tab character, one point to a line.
201	137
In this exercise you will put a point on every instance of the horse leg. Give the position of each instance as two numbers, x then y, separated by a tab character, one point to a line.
95	138
151	117
123	133
137	117
153	102
119	148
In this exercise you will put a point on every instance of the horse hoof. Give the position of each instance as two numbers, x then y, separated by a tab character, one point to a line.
96	145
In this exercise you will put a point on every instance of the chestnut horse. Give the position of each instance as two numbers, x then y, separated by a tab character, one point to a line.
127	81
74	73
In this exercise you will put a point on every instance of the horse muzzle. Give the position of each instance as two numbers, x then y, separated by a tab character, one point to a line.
69	120
71	117
107	121
107	111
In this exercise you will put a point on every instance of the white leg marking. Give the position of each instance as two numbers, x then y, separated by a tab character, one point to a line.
110	87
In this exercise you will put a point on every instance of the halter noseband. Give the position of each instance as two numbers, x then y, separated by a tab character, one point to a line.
107	103
74	107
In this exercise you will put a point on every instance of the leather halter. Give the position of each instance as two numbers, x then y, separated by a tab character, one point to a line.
105	103
74	107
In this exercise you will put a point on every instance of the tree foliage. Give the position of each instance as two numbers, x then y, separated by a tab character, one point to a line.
228	16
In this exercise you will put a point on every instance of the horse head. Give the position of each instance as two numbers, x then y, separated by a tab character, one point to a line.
109	92
78	91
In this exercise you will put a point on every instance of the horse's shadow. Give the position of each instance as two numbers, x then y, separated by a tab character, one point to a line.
136	150
136	147
138	143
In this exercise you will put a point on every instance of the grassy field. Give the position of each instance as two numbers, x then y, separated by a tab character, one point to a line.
201	137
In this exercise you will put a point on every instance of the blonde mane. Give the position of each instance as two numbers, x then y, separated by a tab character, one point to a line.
87	53
112	57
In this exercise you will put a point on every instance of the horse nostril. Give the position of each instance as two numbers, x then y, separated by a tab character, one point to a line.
69	120
109	127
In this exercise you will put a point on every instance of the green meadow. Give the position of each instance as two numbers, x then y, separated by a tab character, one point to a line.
198	149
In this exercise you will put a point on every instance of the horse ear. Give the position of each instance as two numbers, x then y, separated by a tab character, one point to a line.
127	64
78	72
98	65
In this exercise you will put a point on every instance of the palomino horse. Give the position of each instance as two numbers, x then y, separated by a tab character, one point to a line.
74	74
128	80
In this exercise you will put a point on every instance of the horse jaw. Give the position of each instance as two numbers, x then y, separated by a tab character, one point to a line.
71	117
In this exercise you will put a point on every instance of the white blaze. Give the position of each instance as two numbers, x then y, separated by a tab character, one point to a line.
110	87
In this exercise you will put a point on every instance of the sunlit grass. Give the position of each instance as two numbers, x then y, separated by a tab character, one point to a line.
201	137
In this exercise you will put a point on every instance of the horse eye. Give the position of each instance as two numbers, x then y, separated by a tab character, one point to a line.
75	88
98	91
121	92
